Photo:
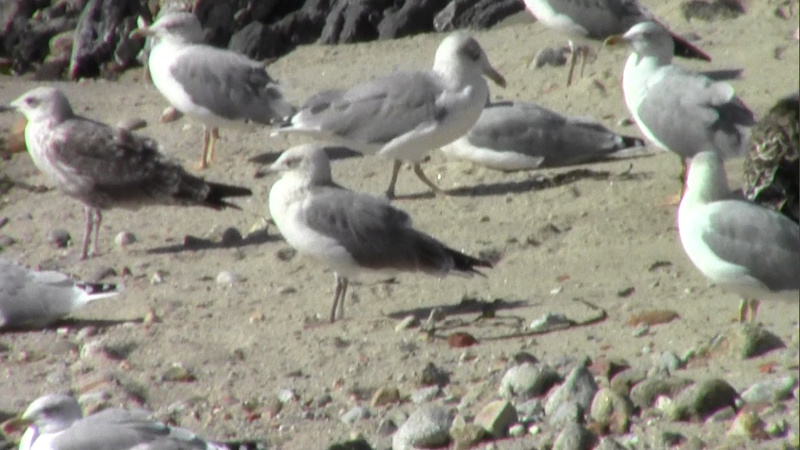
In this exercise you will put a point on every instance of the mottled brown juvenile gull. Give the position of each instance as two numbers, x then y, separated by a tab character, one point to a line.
772	164
523	136
405	115
675	108
36	299
597	20
216	87
104	166
739	245
353	233
56	422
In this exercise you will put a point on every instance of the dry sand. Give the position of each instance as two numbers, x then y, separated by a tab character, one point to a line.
612	230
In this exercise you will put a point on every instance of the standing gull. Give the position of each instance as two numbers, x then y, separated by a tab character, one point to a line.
214	86
741	246
56	422
352	233
772	165
524	136
104	166
597	20
405	115
677	109
31	299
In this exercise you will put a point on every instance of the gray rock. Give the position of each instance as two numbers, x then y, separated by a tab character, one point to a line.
474	14
428	426
749	340
550	56
425	394
353	21
608	443
413	17
231	236
496	417
549	321
699	401
769	391
566	413
528	380
124	239
644	394
227	279
530	410
573	437
59	238
579	386
611	410
355	414
465	435
433	375
666	364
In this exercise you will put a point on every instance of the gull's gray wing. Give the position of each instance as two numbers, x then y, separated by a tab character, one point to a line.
535	131
764	242
690	113
379	236
230	85
119	429
378	110
104	166
601	18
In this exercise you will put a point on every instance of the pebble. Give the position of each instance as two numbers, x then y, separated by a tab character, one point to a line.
611	410
170	114
58	238
573	437
641	330
749	340
665	364
749	425
355	414
566	413
701	400
227	279
157	278
579	386
428	426
528	380
386	427
286	395
644	394
124	239
496	417
6	241
285	254
550	56
623	381
384	396
465	435
231	237
178	373
425	394
132	124
771	390
549	322
406	323
608	443
530	410
433	375
517	430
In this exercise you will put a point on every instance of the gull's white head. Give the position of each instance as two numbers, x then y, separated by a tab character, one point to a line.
707	180
176	26
650	39
52	413
42	103
461	52
309	162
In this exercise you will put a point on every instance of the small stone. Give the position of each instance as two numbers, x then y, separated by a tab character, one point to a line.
59	238
460	340
406	323
550	56
6	241
703	399
566	413
666	364
641	330
355	414
496	417
384	396
256	317
623	381
132	124
386	427
749	425
124	239
465	435
777	428
573	437
644	394
530	410
749	340
157	278
428	426
433	375
170	114
286	395
516	430
227	279
770	391
549	322
231	237
611	411
178	373
671	439
528	380
579	386
286	254
425	394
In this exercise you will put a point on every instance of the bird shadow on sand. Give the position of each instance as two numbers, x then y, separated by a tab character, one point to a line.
334	153
76	324
541	182
193	243
467	305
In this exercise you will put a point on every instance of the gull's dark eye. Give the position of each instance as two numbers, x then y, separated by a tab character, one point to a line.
472	50
31	101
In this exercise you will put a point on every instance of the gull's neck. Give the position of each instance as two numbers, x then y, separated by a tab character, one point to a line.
456	74
705	186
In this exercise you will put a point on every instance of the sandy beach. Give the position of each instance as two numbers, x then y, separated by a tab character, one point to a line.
598	236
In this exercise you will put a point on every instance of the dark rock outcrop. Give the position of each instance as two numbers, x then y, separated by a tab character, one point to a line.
476	14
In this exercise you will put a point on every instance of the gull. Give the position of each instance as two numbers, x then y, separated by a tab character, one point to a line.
598	20
677	109
216	87
354	234
36	299
56	422
522	136
405	115
737	244
104	166
772	164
